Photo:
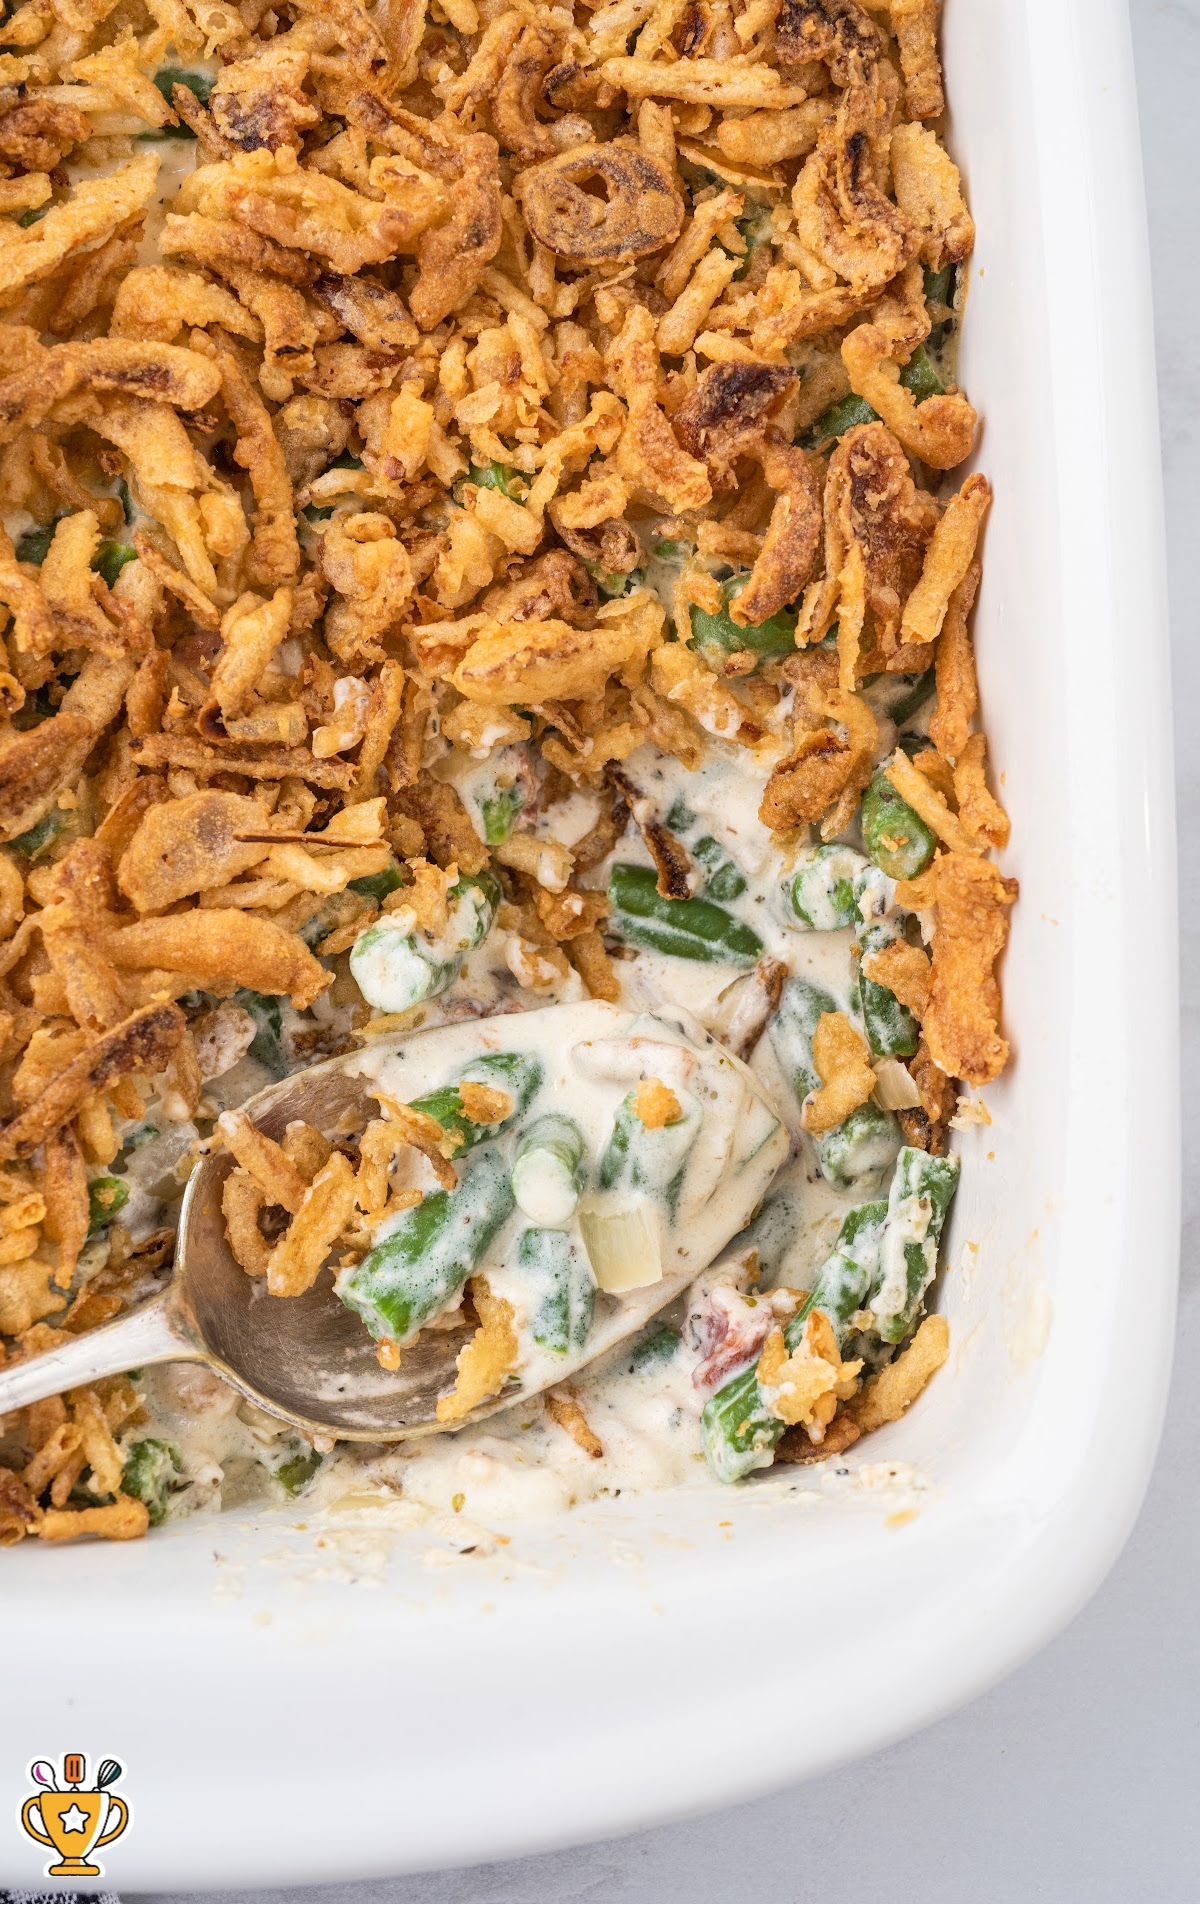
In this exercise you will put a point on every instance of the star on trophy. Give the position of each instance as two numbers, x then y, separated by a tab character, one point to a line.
71	1820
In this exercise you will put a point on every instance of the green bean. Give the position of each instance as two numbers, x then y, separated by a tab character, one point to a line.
396	970
920	376
149	1474
377	886
939	285
500	812
846	1280
898	696
500	476
110	559
939	297
892	1031
921	1193
166	79
771	1233
298	1471
719	635
37	838
612	582
896	838
515	1073
653	1161
684	929
844	415
725	881
423	1263
566	1289
824	892
859	1151
660	1345
548	1173
739	1431
106	1196
267	1047
34	544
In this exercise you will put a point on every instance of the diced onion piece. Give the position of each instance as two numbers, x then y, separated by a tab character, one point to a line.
895	1087
622	1246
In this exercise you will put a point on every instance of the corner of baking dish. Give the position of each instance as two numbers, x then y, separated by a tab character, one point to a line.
576	1680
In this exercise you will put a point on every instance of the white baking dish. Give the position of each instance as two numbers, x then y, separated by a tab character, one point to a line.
290	1711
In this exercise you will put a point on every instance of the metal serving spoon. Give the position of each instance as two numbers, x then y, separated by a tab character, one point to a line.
308	1359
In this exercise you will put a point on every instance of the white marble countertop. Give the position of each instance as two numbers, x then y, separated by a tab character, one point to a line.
1077	1778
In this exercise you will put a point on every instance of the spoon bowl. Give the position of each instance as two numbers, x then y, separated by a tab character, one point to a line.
308	1359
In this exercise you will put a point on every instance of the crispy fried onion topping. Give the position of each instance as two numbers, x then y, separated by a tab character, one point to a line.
833	751
848	228
970	898
640	210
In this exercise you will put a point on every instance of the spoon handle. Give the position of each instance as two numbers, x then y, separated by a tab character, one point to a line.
150	1335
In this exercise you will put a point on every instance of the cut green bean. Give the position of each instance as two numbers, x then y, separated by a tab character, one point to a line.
824	892
500	812
898	696
422	1264
725	881
298	1471
110	559
683	929
498	476
717	636
149	1474
939	286
106	1196
922	1190
517	1074
859	1152
844	415
891	1029
37	838
34	544
657	1348
564	1289
267	1047
166	79
919	376
396	970
896	838
377	886
639	1159
548	1174
613	582
739	1431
